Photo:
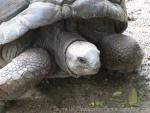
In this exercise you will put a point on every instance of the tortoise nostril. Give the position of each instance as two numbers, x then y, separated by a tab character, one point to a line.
82	60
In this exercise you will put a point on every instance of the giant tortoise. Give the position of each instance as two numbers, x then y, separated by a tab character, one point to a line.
71	26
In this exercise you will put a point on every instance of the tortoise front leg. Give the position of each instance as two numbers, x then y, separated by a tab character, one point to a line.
24	72
121	53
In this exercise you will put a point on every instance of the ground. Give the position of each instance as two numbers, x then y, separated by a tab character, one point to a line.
107	92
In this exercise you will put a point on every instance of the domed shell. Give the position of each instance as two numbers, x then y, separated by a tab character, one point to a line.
10	8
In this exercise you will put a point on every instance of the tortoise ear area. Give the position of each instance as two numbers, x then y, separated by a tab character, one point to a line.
71	58
68	55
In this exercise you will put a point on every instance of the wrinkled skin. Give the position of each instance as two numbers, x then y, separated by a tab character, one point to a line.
28	63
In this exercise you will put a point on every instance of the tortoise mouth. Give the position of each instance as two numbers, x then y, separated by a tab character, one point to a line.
84	71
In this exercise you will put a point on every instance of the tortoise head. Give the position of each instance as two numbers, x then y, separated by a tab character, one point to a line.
83	58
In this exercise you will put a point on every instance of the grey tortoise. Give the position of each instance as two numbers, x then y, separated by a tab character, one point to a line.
69	30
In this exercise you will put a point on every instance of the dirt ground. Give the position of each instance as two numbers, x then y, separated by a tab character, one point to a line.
107	92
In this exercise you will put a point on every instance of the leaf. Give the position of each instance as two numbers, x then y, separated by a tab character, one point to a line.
92	104
99	103
117	94
132	97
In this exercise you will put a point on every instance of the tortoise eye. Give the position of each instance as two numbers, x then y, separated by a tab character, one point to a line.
82	60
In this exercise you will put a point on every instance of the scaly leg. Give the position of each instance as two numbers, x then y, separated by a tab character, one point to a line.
23	72
121	53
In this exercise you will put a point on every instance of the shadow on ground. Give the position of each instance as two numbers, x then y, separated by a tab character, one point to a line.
105	90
